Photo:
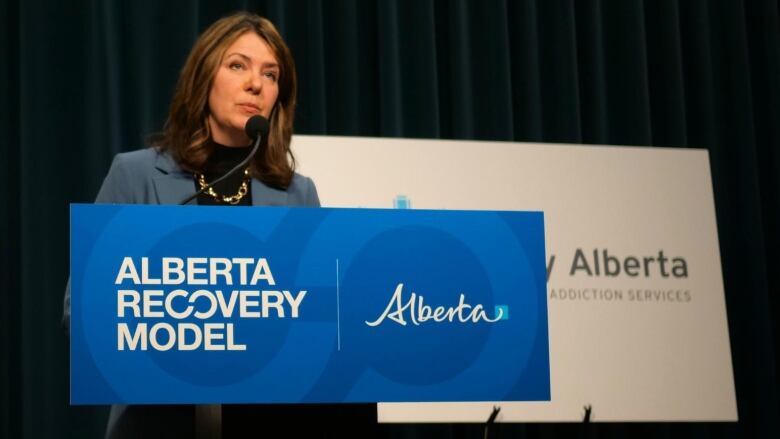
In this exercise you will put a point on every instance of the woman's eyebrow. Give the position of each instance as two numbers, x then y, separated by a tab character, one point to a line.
249	60
238	54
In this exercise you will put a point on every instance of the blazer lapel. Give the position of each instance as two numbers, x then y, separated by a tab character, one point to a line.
173	189
173	185
263	195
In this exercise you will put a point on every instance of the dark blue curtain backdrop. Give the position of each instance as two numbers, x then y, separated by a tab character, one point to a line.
83	80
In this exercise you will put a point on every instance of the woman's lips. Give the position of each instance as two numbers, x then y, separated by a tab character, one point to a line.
249	108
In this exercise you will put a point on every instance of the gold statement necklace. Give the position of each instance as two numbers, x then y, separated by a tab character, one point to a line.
229	199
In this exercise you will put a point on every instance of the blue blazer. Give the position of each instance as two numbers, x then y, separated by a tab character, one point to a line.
148	176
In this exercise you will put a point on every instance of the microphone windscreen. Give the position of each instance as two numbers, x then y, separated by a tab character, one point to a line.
256	125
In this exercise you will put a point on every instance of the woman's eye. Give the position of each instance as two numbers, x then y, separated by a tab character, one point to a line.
270	75
236	66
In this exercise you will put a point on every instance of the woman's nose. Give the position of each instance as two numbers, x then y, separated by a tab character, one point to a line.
255	83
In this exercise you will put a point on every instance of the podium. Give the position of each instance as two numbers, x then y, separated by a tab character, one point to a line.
206	306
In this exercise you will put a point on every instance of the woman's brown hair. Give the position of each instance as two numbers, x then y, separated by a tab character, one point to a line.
186	134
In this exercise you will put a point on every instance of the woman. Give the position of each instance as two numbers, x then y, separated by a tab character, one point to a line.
238	67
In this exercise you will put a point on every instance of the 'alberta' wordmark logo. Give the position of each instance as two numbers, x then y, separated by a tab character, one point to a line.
418	312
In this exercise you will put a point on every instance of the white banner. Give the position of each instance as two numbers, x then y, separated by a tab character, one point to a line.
637	314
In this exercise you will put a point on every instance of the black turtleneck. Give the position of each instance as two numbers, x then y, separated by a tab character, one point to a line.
221	160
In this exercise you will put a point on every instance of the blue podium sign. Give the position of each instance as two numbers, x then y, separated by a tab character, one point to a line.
183	304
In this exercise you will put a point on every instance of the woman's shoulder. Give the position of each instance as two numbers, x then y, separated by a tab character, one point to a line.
300	180
149	160
139	157
131	173
300	183
303	190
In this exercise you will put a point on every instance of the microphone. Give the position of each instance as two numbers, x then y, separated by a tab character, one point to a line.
256	128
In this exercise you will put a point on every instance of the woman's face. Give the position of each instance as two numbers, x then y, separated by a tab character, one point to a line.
246	83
